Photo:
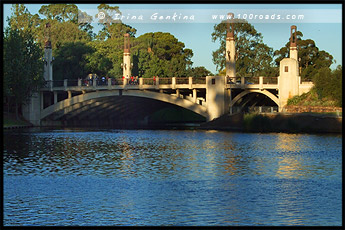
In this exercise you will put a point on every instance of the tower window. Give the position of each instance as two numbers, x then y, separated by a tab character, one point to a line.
213	81
286	69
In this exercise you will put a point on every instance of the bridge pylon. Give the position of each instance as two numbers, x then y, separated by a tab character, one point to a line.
126	65
230	48
216	97
289	79
32	108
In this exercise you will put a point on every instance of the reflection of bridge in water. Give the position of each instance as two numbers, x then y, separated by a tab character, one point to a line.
117	101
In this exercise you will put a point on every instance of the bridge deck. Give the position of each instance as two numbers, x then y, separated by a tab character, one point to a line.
159	84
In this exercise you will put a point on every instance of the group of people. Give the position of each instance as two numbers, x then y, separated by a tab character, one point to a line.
94	77
99	80
133	80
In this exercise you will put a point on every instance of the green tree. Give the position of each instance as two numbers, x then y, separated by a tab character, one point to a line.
253	57
84	21
112	29
199	71
71	61
97	62
328	84
311	59
60	12
23	68
336	85
21	19
161	54
63	19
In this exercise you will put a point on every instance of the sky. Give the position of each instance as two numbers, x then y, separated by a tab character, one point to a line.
193	24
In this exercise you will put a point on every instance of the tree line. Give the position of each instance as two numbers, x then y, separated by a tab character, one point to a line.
79	51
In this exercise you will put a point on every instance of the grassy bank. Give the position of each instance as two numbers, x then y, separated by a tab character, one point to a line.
10	120
312	98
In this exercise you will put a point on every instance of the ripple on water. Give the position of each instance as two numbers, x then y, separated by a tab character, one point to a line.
143	177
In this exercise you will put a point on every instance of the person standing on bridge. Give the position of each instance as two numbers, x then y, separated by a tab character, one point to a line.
90	79
127	79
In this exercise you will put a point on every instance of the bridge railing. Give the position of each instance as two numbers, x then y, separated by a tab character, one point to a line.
182	80
116	81
305	81
86	82
199	80
270	80
165	81
72	82
252	80
101	82
262	109
254	109
58	83
149	81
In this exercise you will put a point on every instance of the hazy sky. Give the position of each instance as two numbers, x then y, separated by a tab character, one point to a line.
193	24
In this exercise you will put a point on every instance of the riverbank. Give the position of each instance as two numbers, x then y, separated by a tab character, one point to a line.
11	122
278	122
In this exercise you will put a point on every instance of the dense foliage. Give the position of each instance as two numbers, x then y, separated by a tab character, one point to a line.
78	51
311	59
23	68
327	90
253	57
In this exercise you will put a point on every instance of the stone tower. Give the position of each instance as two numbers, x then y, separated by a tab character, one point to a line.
230	48
126	65
288	72
48	56
293	43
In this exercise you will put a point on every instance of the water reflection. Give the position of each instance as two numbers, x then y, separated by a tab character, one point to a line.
142	177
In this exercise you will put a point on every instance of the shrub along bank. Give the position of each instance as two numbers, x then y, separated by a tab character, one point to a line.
277	122
292	123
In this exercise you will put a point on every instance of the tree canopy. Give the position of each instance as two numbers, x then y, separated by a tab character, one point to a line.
23	68
311	59
253	57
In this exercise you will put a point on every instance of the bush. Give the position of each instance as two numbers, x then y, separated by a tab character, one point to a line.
327	90
256	122
296	100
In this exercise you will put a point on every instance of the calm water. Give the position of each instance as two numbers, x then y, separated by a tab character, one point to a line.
150	177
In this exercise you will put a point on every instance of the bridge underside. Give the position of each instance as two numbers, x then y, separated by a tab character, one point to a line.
120	111
253	100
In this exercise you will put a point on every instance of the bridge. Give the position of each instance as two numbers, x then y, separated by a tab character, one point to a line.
115	101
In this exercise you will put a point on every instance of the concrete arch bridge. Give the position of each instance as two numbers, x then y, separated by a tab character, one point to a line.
116	100
75	102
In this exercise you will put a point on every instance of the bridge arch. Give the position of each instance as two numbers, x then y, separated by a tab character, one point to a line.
270	95
66	105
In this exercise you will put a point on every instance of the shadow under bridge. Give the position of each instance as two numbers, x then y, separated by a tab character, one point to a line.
122	109
252	100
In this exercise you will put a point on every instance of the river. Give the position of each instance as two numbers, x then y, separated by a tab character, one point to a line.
96	177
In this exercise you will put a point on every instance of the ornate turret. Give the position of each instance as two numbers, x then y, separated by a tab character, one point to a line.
126	65
47	42
293	43
230	48
289	81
